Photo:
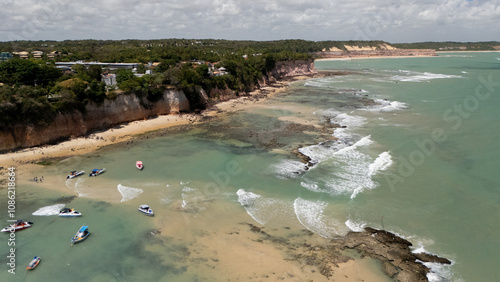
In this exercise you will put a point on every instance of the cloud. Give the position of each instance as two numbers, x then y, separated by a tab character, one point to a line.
391	20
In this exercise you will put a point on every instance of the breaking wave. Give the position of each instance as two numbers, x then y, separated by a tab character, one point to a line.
263	209
311	215
387	106
355	226
413	76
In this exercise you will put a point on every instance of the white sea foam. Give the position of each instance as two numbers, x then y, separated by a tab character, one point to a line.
356	226
382	162
128	193
412	76
322	82
288	168
365	141
438	272
246	198
310	186
263	209
387	106
310	215
188	189
49	210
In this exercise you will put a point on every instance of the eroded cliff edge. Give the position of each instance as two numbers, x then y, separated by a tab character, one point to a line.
127	108
124	108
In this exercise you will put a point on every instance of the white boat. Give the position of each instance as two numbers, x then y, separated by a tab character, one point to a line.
139	165
74	174
145	209
97	171
66	212
19	225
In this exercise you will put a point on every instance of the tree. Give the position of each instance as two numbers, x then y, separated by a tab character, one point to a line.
141	68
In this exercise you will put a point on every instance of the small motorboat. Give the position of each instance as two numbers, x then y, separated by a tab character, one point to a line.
97	171
66	212
145	209
19	225
74	174
34	263
139	165
81	235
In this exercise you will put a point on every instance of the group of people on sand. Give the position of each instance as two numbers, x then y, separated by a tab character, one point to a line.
36	179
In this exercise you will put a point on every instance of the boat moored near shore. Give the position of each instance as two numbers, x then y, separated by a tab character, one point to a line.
97	171
74	174
145	209
66	212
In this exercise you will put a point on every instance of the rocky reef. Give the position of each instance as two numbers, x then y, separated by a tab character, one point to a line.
392	251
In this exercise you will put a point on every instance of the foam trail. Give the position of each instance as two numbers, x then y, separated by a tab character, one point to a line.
77	189
128	193
310	215
49	210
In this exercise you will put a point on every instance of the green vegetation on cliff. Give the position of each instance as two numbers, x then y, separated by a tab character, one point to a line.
33	90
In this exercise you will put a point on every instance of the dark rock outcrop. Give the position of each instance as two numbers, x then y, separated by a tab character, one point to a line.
393	251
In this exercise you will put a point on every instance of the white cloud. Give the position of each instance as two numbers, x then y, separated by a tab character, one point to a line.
391	20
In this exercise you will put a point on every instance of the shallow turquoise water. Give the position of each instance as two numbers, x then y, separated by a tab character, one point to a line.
412	164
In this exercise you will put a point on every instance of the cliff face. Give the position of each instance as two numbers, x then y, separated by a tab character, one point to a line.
294	68
124	108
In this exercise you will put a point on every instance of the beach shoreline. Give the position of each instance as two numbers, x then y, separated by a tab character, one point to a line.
127	131
343	58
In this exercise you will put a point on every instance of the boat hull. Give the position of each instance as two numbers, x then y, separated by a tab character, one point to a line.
151	213
16	228
98	172
70	215
76	240
34	263
75	174
82	234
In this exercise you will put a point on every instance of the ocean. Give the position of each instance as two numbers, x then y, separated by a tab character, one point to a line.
403	144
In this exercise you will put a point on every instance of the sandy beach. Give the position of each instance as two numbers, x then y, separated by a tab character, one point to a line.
240	251
125	132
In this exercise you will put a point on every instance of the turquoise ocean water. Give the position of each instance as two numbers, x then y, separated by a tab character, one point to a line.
422	163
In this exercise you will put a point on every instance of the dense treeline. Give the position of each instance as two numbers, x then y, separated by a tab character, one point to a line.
33	91
143	51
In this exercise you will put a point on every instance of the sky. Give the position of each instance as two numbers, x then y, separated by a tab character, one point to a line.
395	21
